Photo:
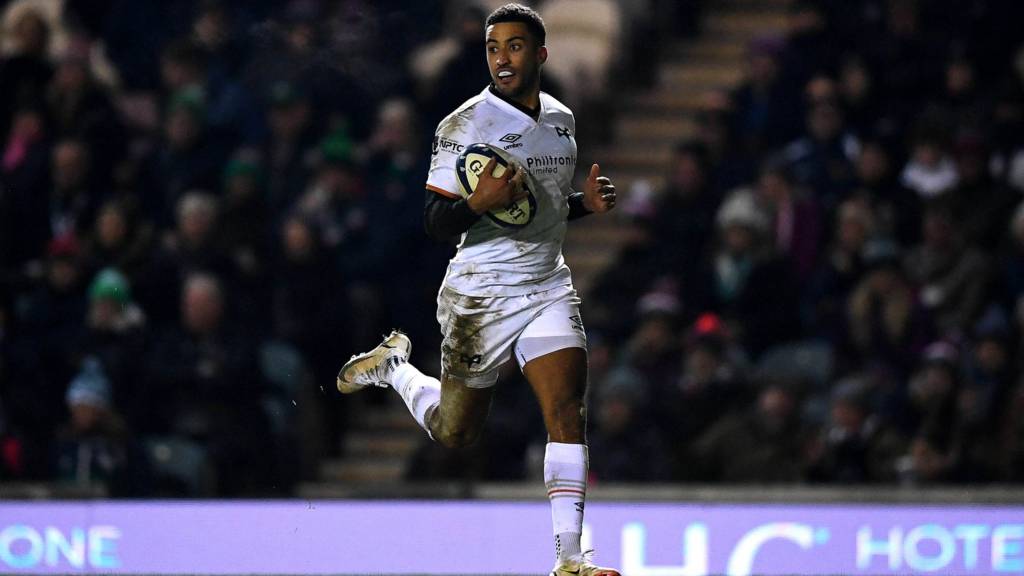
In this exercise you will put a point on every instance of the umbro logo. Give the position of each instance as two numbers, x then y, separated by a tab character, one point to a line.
511	140
577	322
563	131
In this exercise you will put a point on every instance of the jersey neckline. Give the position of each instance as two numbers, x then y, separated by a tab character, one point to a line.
502	101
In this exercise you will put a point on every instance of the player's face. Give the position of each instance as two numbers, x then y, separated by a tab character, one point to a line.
514	59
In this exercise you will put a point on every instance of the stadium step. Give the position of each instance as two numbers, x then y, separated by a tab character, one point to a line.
362	444
634	131
721	50
377	470
650	123
745	23
698	76
392	417
665	101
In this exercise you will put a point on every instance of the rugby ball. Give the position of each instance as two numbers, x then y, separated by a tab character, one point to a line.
470	165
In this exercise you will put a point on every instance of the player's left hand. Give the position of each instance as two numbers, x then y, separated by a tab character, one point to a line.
599	192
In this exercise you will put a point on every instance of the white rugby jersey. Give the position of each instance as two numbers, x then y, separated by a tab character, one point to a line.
493	260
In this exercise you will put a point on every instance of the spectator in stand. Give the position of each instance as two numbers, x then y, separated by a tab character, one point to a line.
73	199
762	444
395	167
652	351
462	76
953	276
632	450
896	208
309	309
840	270
116	335
204	374
854	447
766	115
744	272
729	165
883	326
797	219
810	45
228	110
120	239
931	172
905	60
292	136
12	466
859	96
26	70
682	220
708	386
190	157
194	246
24	177
932	395
216	29
337	200
982	204
822	160
960	90
47	324
245	228
79	107
986	386
96	446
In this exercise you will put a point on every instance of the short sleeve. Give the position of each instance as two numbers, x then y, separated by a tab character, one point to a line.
453	134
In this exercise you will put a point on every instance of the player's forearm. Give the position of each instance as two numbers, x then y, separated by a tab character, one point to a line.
445	218
576	207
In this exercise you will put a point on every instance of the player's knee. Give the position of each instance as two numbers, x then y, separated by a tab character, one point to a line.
457	436
567	421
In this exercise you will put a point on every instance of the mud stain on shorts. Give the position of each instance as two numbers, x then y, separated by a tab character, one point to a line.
462	346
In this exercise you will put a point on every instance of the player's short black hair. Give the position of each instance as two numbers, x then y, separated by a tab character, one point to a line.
519	13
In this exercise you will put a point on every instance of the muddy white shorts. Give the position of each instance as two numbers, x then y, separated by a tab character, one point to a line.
481	333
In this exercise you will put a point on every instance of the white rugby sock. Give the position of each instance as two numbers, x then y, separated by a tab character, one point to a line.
420	392
565	476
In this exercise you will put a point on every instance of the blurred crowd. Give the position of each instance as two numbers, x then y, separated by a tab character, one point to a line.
828	287
205	207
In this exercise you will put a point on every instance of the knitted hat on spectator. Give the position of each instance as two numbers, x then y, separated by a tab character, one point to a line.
110	284
190	99
336	149
242	167
90	386
742	209
65	247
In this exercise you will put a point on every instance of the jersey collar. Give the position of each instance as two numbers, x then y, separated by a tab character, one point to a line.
511	106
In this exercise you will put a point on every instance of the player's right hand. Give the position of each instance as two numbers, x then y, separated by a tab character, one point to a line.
494	192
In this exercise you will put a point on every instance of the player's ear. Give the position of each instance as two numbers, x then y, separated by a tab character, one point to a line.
542	54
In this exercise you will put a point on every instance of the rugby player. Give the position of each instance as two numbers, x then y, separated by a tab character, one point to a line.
507	291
